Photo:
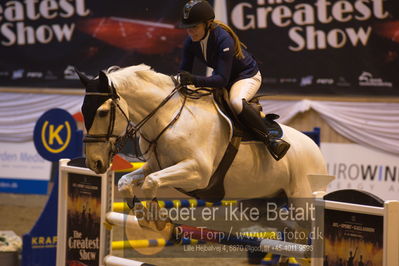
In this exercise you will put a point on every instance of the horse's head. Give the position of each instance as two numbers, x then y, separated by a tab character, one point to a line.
106	120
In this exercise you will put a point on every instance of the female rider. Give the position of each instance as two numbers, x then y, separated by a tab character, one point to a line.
216	44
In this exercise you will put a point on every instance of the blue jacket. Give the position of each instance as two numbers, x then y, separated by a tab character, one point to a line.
220	56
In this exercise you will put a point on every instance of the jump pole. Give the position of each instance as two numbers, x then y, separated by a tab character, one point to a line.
151	243
208	235
182	203
110	260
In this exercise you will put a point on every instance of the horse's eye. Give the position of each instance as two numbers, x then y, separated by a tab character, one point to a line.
103	113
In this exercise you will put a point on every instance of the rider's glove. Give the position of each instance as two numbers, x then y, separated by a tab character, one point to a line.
186	78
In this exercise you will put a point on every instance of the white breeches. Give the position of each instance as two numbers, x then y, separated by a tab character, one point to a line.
244	89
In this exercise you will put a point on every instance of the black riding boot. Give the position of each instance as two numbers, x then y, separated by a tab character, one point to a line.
252	119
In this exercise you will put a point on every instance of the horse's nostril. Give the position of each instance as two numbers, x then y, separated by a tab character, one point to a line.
99	164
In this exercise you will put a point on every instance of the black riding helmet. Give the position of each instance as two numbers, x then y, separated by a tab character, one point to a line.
196	12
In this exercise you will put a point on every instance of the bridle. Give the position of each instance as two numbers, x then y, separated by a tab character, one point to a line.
131	129
92	138
106	138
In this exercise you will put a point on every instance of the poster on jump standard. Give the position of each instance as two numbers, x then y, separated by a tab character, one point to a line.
84	220
353	239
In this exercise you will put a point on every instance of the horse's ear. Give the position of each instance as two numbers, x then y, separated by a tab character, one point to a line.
102	77
83	78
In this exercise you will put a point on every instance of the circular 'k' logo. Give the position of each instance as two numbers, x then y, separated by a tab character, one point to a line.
54	135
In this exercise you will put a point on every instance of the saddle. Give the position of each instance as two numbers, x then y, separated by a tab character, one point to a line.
221	98
215	192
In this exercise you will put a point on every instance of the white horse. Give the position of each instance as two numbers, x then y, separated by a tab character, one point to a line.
189	150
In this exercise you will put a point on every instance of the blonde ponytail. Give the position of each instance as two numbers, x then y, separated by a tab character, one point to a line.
237	43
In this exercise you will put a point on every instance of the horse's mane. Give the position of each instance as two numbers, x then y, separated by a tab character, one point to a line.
136	75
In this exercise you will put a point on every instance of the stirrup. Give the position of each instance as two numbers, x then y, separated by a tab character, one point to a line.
272	117
278	156
268	139
274	130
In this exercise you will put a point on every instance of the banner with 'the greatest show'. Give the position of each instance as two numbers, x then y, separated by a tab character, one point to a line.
322	46
345	47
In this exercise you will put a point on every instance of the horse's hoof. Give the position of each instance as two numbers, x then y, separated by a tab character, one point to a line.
125	188
150	187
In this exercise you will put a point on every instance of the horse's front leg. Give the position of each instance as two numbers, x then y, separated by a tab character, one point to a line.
135	178
188	175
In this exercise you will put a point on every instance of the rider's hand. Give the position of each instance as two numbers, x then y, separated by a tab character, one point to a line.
186	78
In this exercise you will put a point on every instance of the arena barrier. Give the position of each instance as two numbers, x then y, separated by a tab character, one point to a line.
82	194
